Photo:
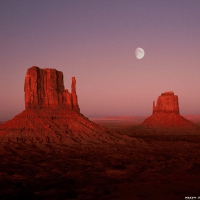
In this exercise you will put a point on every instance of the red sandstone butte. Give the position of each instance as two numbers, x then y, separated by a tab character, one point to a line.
166	103
166	113
52	113
44	88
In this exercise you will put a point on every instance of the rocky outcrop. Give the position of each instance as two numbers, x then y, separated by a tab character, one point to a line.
166	103
44	88
75	105
166	113
52	113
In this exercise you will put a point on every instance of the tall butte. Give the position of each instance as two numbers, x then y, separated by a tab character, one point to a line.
51	112
166	113
44	88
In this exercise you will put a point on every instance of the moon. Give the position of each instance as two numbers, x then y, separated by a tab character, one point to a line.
139	53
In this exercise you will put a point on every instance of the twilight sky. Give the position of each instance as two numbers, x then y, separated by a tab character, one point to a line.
95	41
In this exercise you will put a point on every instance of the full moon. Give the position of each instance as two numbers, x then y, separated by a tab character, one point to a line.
139	53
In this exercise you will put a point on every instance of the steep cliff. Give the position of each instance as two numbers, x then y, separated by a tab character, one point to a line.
44	88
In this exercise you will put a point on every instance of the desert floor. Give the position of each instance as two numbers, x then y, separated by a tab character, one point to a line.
136	164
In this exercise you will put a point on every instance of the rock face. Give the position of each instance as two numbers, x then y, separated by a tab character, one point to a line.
52	113
166	113
166	103
44	88
74	96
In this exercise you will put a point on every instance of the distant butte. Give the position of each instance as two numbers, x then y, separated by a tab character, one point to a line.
166	113
51	112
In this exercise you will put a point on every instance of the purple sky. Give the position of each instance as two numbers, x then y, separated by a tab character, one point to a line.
95	41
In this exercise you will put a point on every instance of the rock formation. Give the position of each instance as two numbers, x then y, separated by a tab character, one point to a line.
166	113
166	103
44	88
74	96
52	113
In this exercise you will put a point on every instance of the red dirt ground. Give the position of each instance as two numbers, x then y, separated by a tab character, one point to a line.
131	163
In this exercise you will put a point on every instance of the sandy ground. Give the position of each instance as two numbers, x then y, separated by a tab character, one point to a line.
130	166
